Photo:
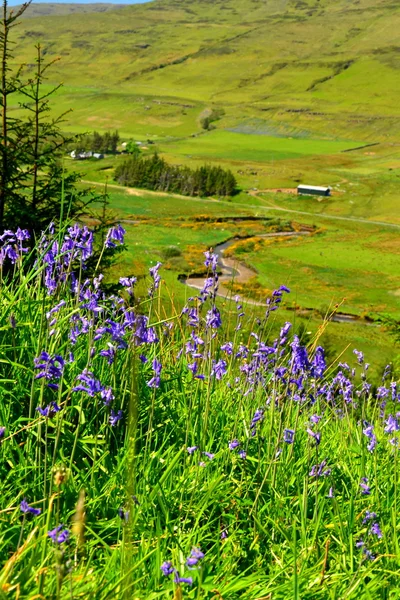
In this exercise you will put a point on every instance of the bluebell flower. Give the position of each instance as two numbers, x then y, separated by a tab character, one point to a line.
2	433
195	556
167	568
91	385
115	417
50	368
213	318
209	455
242	454
109	353
59	535
114	235
368	431
319	470
25	508
288	436
156	380
318	364
369	516
392	424
211	260
192	449
219	369
234	444
365	489
187	580
50	410
360	356
375	530
316	435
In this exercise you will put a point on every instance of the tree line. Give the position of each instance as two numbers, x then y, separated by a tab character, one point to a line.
154	173
103	144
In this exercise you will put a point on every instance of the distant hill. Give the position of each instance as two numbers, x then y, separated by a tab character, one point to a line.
288	67
60	9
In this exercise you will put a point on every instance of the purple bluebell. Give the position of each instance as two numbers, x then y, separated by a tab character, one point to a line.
376	530
316	435
50	368
115	417
288	436
50	410
219	369
319	470
365	488
187	580
285	330
195	556
209	455
369	516
128	283
368	431
25	508
318	364
107	396
59	535
114	235
227	348
2	433
392	424
234	444
192	449
331	493
156	380
213	318
211	260
109	353
89	384
360	356
156	278
315	419
242	454
167	568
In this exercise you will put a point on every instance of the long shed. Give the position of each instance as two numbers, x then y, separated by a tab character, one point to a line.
313	190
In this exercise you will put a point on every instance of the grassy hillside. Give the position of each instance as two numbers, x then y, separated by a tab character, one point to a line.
44	9
298	68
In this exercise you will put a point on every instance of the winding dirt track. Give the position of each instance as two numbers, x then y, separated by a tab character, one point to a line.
232	269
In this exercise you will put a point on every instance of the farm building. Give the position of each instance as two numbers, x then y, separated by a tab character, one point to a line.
313	190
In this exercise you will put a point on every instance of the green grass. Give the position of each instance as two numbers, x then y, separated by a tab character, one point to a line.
268	527
311	68
253	148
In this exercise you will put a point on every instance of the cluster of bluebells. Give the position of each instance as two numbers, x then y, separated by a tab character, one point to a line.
12	245
59	535
276	372
373	531
192	562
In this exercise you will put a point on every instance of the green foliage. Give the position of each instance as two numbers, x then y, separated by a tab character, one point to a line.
154	173
133	497
132	148
105	144
34	190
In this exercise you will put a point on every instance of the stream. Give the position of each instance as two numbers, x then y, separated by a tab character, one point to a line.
232	269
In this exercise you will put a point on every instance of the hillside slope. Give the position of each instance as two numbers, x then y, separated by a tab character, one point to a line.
44	9
287	66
